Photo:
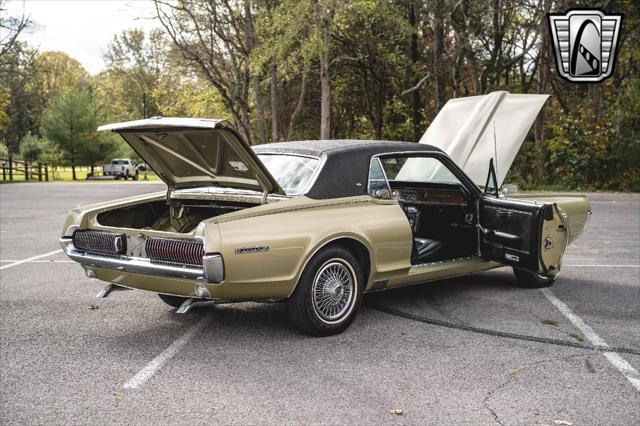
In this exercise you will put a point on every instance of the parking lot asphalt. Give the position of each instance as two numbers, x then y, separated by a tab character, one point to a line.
474	350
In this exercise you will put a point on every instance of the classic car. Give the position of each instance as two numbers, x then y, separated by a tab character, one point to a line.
317	224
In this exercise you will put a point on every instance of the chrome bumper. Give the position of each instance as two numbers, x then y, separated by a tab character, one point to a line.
212	270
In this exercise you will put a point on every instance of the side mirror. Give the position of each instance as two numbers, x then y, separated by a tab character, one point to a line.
491	187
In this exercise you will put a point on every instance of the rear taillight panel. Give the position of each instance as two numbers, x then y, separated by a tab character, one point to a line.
100	242
174	251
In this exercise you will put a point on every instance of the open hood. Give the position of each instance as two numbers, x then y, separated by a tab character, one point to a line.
464	129
192	152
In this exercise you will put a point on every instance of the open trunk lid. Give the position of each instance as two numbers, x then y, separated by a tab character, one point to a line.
464	129
191	153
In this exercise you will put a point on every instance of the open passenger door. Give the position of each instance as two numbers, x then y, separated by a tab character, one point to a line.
524	234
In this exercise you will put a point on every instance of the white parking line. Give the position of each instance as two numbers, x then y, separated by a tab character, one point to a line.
20	262
39	261
156	364
602	266
630	373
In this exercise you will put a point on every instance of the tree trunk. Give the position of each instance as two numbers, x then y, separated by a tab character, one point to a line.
262	128
415	95
544	77
325	16
299	105
325	95
438	53
274	104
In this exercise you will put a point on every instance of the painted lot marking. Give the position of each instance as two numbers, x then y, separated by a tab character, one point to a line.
156	364
602	266
630	373
39	261
20	262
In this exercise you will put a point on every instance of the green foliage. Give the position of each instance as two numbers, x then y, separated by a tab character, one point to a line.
71	122
52	155
136	63
391	65
4	151
32	148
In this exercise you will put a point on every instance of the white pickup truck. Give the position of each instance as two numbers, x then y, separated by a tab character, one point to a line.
121	168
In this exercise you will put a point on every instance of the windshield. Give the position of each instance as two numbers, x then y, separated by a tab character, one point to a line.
292	172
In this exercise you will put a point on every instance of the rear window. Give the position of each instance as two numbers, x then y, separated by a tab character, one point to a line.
292	172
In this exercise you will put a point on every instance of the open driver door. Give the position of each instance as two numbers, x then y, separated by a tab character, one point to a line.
523	234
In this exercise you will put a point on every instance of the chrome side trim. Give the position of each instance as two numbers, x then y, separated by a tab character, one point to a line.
144	266
443	262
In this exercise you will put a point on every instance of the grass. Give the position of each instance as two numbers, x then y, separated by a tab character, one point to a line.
576	336
64	174
550	322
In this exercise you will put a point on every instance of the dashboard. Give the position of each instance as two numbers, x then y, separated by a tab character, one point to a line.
415	195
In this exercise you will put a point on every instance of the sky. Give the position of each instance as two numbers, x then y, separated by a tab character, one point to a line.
82	28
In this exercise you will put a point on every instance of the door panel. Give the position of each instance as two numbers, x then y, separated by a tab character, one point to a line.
523	234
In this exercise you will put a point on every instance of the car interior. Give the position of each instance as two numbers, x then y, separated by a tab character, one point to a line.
437	205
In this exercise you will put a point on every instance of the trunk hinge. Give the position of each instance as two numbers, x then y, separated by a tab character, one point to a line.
168	196
265	194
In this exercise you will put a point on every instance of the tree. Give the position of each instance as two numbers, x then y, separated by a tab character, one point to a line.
136	63
55	72
32	148
70	122
10	29
217	39
21	106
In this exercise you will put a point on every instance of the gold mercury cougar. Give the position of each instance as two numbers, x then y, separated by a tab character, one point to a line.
317	224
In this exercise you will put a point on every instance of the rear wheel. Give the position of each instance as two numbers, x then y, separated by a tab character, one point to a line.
329	293
135	177
174	301
531	279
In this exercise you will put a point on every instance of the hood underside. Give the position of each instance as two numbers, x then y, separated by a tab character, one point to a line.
464	129
191	153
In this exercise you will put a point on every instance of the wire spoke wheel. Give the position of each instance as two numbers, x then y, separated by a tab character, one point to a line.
333	290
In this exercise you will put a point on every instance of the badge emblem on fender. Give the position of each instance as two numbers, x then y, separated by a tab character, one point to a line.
256	249
585	43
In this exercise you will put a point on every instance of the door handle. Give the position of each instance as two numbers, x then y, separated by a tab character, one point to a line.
503	235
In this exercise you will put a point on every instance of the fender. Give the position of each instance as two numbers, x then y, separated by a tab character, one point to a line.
324	242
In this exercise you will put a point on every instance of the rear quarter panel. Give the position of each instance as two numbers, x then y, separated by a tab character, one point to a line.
294	230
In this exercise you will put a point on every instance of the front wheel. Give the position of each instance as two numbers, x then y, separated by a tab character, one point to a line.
329	293
531	279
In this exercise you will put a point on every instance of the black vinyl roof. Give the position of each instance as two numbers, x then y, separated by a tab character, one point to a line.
346	162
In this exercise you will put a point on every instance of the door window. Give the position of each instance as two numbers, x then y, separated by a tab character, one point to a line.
377	185
411	168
